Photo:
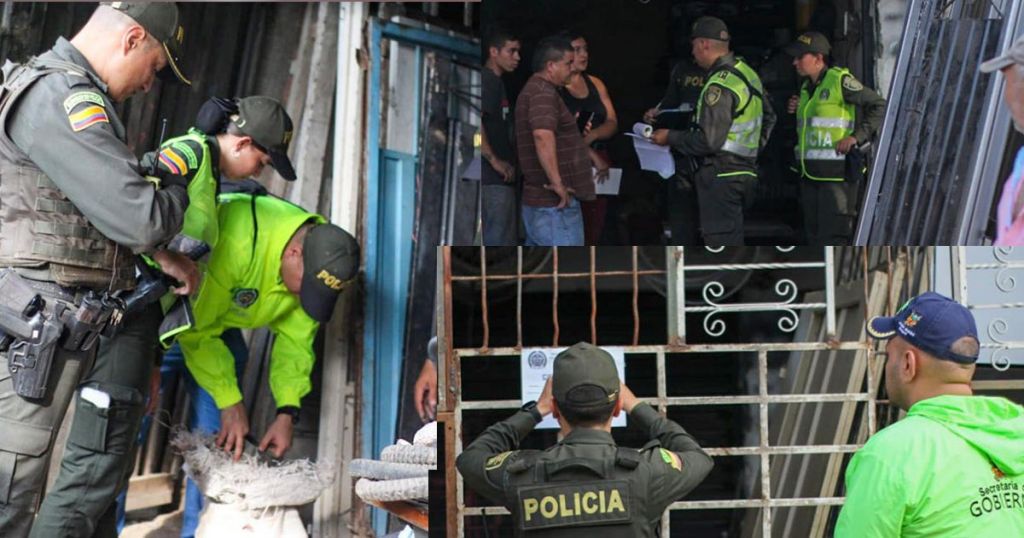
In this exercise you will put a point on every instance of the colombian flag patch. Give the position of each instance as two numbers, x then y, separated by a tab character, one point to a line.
173	162
88	116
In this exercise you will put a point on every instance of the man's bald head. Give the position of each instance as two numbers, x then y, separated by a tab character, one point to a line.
913	374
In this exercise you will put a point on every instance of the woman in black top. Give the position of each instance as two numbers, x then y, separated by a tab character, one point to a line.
587	97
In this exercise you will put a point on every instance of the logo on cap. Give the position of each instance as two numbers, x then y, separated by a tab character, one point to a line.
287	137
330	280
537	360
912	319
723	35
805	39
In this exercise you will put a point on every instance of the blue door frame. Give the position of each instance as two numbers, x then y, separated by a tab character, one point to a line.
390	207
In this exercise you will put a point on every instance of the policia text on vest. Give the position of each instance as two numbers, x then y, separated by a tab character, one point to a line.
585	482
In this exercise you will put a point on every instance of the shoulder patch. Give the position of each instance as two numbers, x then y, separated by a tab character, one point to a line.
87	117
672	459
190	150
78	98
245	297
495	461
713	95
852	84
173	161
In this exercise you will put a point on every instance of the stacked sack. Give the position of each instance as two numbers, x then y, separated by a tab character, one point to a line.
401	474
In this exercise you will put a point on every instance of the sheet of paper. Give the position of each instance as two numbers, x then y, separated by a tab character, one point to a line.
653	157
473	171
610	186
536	364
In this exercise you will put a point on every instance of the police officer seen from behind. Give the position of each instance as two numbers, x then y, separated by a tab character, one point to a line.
734	120
585	483
829	130
74	207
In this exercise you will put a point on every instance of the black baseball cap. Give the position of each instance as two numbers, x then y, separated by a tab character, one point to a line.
709	28
266	121
330	259
160	19
931	322
813	42
584	376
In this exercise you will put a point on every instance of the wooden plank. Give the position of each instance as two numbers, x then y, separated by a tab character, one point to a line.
313	134
407	512
149	491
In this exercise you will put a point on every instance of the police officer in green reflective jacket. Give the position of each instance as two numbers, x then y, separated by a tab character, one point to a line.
585	483
835	114
734	120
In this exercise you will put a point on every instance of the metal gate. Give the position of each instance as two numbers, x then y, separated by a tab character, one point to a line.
830	395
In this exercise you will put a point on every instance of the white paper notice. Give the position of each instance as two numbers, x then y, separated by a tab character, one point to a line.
536	364
653	157
609	186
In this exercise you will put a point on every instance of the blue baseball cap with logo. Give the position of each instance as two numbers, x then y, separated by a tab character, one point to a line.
930	322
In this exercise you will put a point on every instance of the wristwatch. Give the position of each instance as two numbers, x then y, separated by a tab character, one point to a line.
291	411
531	408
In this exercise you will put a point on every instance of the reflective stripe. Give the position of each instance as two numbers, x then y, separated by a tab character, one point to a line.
831	123
823	155
751	125
739	149
740	173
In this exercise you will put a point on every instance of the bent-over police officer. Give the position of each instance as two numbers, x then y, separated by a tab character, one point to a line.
835	114
74	209
585	482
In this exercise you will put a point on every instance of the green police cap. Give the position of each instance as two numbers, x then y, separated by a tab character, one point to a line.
330	259
266	121
160	19
583	376
812	42
709	28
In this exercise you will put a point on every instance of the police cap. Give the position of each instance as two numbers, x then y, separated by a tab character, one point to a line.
709	28
584	376
809	42
330	259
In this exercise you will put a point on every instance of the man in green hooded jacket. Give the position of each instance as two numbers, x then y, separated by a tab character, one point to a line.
955	465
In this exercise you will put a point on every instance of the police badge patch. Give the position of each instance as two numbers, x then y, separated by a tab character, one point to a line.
852	84
712	96
824	95
245	297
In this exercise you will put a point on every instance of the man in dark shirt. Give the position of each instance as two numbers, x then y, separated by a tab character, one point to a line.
552	155
498	181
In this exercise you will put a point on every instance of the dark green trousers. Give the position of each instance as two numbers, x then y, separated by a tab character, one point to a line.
100	451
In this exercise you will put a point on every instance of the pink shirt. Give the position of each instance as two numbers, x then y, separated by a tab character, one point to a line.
1010	214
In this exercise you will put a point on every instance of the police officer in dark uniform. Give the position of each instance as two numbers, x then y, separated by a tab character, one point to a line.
74	209
585	483
836	115
675	112
734	120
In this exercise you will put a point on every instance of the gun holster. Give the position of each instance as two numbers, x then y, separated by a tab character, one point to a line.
30	335
32	327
